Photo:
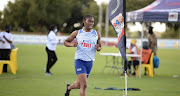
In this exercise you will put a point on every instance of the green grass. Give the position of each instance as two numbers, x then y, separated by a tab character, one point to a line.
30	79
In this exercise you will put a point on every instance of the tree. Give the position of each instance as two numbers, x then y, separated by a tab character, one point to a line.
132	5
34	15
93	9
76	14
1	17
172	31
38	15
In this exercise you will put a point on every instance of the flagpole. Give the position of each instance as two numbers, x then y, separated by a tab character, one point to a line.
117	16
124	12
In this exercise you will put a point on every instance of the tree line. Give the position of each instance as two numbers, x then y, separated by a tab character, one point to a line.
38	15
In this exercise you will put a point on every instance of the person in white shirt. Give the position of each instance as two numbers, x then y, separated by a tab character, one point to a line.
5	45
50	48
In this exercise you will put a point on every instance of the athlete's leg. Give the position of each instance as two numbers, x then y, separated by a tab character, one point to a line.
81	84
82	69
75	85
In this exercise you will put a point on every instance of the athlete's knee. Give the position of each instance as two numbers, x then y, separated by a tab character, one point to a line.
77	85
83	85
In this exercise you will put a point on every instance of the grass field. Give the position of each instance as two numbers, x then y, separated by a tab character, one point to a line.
30	79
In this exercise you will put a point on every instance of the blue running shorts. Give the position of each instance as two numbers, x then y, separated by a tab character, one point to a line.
83	66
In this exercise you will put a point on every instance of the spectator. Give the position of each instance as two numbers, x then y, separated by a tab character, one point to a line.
50	48
135	60
146	53
5	45
152	40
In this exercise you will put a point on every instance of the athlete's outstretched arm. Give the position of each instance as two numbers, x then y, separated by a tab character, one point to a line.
98	45
68	41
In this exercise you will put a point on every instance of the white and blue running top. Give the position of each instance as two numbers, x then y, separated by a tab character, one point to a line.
86	45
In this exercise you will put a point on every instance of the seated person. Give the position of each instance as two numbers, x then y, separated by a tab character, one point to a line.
146	53
133	50
5	47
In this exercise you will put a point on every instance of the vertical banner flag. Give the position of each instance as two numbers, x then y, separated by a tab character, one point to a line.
117	15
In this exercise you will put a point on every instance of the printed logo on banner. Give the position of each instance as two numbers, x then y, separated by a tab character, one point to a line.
118	23
173	16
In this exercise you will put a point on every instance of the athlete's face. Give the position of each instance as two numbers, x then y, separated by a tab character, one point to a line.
89	23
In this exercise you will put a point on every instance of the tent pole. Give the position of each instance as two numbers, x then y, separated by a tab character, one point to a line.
107	24
142	35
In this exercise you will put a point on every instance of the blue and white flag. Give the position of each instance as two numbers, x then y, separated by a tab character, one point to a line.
116	16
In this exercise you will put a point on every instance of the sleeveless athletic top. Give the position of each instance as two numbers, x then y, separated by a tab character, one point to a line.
86	45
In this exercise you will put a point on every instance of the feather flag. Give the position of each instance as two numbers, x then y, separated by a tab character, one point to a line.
117	14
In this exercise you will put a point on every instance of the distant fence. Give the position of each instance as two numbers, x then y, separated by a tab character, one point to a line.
42	39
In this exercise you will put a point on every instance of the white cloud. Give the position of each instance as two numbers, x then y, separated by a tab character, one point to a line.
100	1
3	3
159	27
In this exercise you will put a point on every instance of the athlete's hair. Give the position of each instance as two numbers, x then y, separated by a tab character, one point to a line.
85	17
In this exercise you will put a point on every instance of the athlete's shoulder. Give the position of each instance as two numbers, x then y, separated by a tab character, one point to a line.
98	34
80	31
75	31
94	32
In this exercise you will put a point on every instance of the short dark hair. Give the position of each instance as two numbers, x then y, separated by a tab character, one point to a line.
7	27
85	17
150	30
145	45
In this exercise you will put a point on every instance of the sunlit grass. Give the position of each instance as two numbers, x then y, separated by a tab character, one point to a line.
30	79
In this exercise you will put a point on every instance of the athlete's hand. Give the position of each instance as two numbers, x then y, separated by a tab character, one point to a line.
97	47
75	44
